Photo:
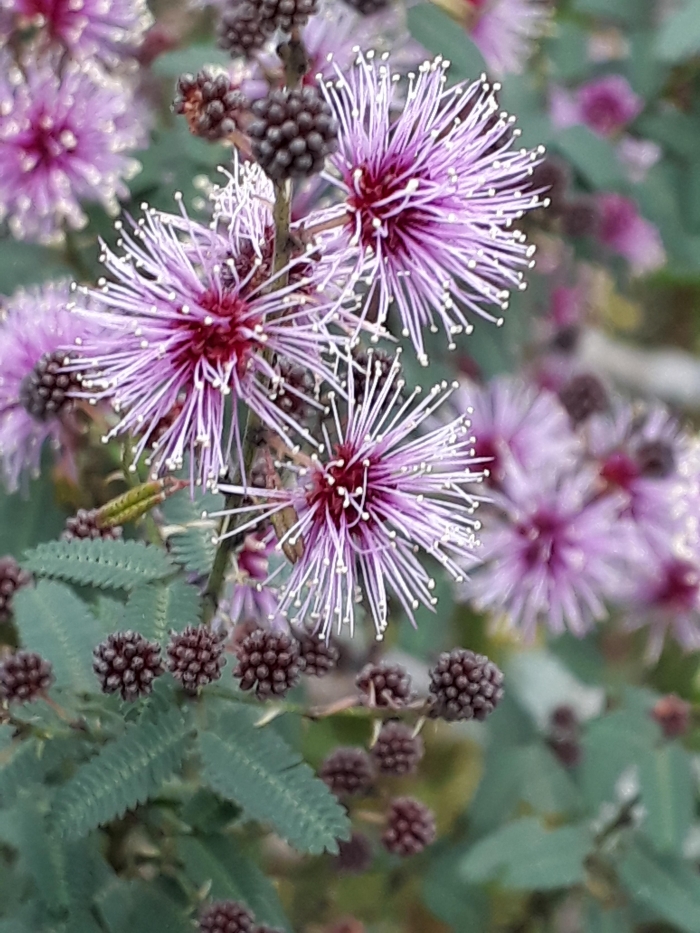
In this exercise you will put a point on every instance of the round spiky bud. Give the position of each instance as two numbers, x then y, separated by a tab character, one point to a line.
397	750
84	524
580	218
12	577
284	14
295	389
582	396
211	103
240	30
348	771
384	684
464	685
656	459
226	917
195	656
126	663
293	132
44	391
24	677
267	662
354	856
367	7
410	827
316	655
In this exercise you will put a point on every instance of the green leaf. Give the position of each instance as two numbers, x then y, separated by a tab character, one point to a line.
627	11
610	745
544	784
463	907
115	564
40	855
58	626
24	762
667	787
614	920
190	59
439	33
258	770
679	35
153	610
593	157
123	774
665	883
525	855
217	861
28	263
26	519
138	907
191	536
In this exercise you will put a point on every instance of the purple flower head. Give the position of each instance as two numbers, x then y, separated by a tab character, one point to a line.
63	139
34	324
638	452
626	232
372	498
505	31
667	601
608	104
430	196
190	328
101	29
552	553
247	599
511	419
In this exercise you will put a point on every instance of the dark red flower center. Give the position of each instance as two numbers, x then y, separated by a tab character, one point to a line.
543	535
619	470
338	490
487	447
45	142
381	201
224	337
59	16
678	590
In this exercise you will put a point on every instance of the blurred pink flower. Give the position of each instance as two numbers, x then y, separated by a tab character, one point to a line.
626	232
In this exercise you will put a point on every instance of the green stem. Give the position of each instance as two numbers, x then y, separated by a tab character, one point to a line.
281	213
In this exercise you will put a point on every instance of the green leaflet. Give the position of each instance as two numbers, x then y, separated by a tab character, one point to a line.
190	536
523	854
113	564
154	609
257	769
219	861
59	627
124	773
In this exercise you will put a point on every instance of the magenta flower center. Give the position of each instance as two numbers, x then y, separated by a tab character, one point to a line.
223	337
619	470
342	488
679	589
542	534
378	199
59	15
604	112
487	447
45	143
